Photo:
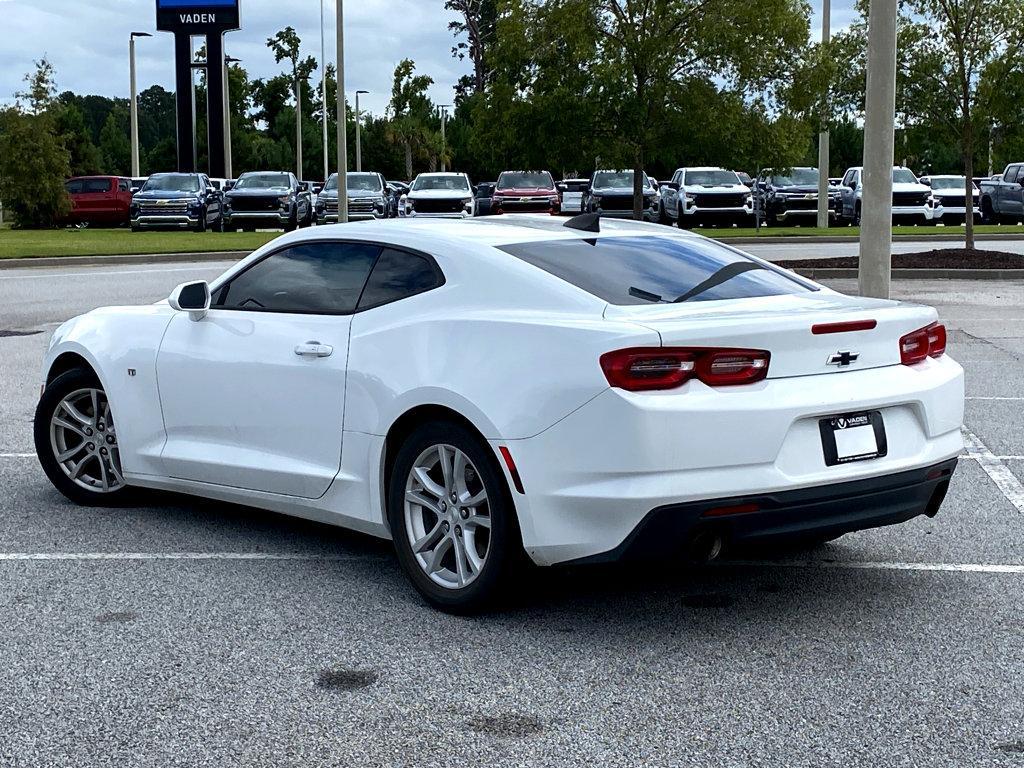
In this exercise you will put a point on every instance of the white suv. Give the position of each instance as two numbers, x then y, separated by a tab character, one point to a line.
439	196
911	200
706	195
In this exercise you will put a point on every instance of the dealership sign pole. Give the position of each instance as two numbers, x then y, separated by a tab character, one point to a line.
879	139
209	19
342	118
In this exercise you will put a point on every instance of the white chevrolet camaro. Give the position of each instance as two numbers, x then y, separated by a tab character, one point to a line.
486	389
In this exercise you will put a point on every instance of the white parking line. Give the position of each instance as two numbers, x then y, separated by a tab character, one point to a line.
993	398
982	568
15	456
182	557
101	272
995	469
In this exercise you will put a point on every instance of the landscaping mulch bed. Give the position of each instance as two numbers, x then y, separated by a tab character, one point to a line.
936	259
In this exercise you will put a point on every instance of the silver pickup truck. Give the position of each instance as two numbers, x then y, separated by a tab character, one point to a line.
1002	197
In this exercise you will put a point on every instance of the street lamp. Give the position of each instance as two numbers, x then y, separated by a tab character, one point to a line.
228	171
359	146
444	140
823	136
323	88
342	128
135	102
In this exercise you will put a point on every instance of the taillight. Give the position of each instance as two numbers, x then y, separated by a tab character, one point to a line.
927	342
663	368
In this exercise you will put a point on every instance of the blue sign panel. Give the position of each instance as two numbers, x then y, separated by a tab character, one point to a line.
197	16
194	4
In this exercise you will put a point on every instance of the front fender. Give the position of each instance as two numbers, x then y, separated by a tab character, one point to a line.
120	344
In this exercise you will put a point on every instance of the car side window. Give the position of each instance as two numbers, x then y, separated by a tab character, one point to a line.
1011	173
75	186
123	186
1020	175
398	275
324	278
98	185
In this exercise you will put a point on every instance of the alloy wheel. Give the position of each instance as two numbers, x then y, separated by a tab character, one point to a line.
447	516
84	441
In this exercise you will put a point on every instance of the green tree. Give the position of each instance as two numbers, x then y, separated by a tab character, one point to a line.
84	156
286	45
115	146
965	54
33	160
411	112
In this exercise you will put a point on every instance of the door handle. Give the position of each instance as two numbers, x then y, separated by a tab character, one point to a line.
314	350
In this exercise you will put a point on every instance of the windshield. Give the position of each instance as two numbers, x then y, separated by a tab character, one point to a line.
263	182
429	182
525	180
950	183
711	178
797	177
646	269
903	176
617	179
362	182
172	183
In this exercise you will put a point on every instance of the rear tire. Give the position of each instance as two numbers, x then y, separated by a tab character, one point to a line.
76	441
460	557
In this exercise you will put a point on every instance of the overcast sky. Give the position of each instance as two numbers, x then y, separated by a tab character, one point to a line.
87	42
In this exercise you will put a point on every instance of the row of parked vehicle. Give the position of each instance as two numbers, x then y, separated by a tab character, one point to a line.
692	196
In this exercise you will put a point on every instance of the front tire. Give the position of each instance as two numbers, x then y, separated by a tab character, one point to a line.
76	440
452	518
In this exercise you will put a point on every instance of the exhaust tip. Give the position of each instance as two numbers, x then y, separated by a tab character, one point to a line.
705	546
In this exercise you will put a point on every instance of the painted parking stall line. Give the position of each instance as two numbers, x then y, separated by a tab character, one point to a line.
978	568
1000	474
185	557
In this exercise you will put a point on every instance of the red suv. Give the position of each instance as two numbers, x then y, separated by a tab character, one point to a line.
520	192
99	199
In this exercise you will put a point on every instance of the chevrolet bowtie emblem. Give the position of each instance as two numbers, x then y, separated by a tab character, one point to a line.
843	358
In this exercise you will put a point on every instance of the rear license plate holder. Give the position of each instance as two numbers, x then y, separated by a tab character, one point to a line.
853	437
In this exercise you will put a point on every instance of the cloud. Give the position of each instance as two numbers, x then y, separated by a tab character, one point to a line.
87	42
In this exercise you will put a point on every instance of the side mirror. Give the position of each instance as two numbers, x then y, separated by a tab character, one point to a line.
193	298
672	186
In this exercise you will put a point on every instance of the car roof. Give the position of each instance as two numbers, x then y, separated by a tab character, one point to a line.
497	231
705	168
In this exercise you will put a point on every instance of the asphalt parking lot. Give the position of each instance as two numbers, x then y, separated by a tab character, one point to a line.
186	632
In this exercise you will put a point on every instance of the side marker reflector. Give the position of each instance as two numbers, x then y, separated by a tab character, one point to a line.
731	510
512	470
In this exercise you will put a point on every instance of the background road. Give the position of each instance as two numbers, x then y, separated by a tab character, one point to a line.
187	643
780	252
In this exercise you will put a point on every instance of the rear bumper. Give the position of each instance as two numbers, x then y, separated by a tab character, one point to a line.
592	478
826	511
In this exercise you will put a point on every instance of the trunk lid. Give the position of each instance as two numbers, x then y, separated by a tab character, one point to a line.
782	325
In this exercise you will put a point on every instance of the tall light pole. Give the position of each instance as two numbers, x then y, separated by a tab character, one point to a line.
879	141
228	60
444	139
135	102
195	116
342	127
823	137
323	88
298	126
359	145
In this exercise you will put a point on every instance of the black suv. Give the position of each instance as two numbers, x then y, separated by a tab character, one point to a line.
176	201
267	199
791	196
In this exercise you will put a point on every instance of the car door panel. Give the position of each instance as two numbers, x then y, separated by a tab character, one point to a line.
241	408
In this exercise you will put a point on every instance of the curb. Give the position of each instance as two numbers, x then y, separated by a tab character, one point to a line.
101	261
833	273
924	239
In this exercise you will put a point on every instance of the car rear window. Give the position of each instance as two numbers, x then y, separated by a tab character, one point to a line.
651	269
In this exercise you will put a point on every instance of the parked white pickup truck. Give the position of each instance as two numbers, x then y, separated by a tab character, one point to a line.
1002	198
706	196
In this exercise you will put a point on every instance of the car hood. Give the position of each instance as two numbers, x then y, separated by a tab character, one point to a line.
958	193
646	192
716	188
352	194
526	192
272	192
164	195
439	194
910	187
